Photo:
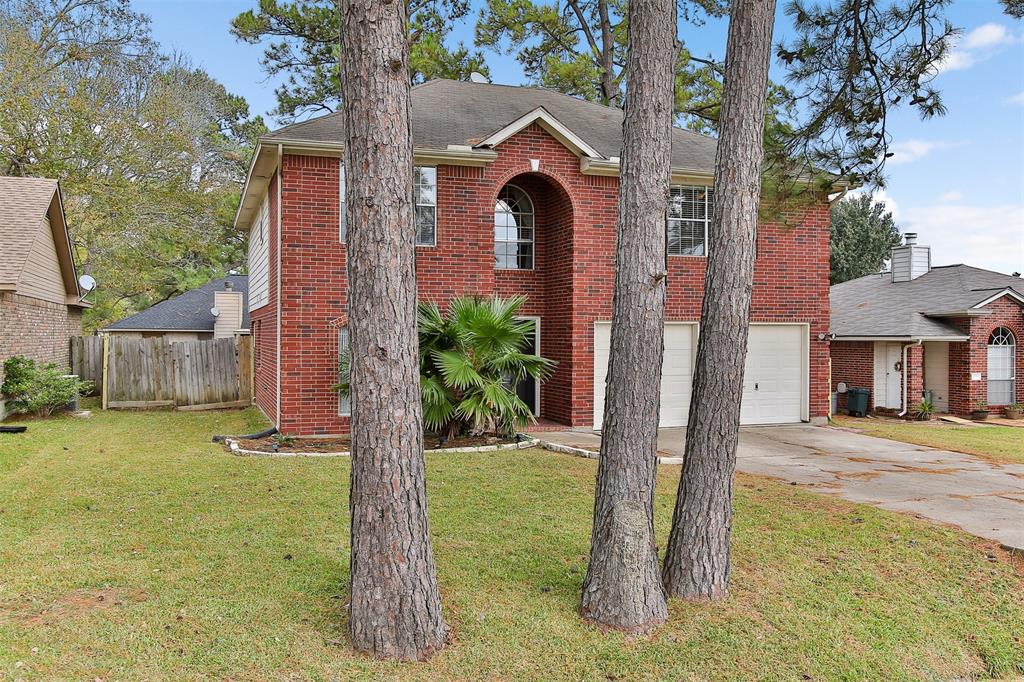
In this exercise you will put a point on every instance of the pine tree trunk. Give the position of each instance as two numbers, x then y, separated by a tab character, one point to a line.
697	559
623	588
395	607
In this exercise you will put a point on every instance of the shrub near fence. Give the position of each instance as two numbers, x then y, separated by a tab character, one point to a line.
147	373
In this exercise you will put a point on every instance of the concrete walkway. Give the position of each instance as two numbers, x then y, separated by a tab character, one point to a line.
982	498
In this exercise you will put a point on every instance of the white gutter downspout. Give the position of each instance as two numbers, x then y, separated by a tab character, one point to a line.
905	387
280	210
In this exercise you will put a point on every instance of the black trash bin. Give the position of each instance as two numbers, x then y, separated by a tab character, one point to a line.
857	401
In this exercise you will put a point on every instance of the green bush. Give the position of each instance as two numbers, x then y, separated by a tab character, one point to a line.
470	362
39	389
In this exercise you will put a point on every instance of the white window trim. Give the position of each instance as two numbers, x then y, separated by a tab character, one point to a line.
434	206
342	215
1012	379
532	242
707	224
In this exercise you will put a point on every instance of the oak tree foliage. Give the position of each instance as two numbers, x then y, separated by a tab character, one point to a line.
150	151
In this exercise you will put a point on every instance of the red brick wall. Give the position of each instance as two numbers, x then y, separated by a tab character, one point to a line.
570	287
263	322
965	358
915	376
853	363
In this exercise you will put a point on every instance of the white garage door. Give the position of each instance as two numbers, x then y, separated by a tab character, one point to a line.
774	387
773	381
676	371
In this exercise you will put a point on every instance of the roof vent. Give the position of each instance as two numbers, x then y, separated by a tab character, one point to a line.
910	260
477	77
228	286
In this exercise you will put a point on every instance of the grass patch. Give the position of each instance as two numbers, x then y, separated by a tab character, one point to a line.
133	548
995	443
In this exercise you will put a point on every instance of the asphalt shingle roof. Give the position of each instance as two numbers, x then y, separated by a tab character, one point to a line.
24	203
876	306
188	311
448	112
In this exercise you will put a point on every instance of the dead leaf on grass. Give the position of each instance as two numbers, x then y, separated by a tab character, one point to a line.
72	605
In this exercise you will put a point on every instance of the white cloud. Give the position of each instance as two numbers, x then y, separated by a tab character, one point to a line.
986	35
976	46
989	237
952	196
880	196
912	150
1017	99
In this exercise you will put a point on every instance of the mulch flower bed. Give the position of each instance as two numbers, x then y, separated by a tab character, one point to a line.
344	443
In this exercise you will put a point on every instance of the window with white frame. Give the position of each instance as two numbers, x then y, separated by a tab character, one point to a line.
1002	370
344	373
688	220
424	192
513	230
424	196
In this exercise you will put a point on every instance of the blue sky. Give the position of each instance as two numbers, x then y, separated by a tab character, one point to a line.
957	180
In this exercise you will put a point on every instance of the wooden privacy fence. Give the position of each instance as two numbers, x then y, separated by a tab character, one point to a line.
188	375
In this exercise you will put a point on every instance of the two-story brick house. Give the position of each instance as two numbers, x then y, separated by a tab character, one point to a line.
517	193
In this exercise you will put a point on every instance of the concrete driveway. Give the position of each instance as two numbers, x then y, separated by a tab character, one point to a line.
982	498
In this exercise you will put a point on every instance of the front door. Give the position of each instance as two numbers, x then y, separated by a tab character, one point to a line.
893	376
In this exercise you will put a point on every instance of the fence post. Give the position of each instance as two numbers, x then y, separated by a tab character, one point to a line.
106	356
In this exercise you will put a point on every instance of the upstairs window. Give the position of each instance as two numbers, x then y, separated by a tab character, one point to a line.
424	192
513	230
689	217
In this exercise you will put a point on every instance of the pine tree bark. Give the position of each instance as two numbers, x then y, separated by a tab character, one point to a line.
622	589
697	558
395	609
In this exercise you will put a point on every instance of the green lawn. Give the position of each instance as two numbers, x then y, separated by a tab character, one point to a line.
996	443
214	566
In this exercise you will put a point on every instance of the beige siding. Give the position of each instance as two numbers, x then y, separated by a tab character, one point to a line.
41	277
259	257
229	305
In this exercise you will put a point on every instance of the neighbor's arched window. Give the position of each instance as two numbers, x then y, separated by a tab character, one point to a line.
1002	367
513	230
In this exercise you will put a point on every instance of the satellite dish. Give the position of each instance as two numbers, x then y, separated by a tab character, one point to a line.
214	311
86	283
477	77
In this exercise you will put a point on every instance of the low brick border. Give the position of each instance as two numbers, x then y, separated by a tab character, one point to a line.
236	449
590	454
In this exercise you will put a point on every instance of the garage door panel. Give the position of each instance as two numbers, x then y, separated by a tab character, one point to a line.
774	375
676	372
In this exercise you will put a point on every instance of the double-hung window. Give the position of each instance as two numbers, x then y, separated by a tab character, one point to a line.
424	192
425	200
688	220
513	230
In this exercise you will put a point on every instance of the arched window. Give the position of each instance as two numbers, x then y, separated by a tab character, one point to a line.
513	230
1002	367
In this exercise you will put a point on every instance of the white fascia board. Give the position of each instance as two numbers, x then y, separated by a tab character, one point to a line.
902	338
1005	292
551	124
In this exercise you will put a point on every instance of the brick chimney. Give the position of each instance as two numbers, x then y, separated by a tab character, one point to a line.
228	302
910	260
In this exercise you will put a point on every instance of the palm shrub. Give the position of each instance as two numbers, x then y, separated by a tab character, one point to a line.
471	358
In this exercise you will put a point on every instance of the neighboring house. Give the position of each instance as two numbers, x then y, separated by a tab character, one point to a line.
40	304
516	192
954	332
213	311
